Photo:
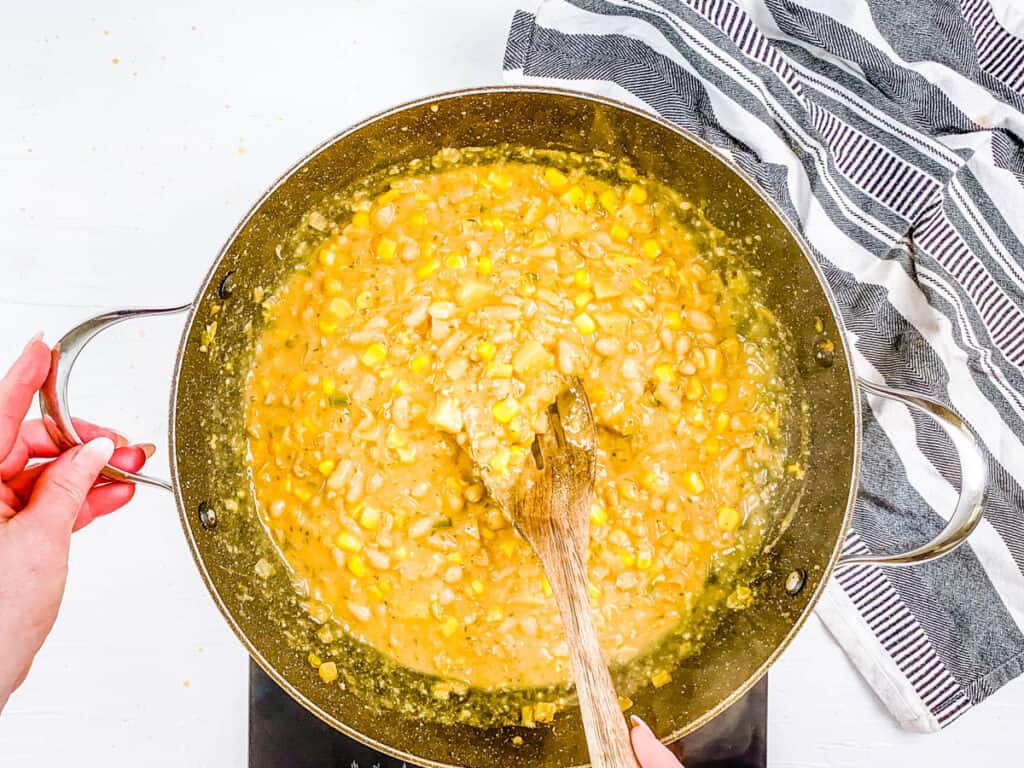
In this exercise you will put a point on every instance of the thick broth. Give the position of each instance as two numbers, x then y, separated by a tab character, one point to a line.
454	305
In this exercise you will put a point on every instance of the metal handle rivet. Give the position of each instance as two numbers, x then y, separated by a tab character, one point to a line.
207	516
795	581
227	285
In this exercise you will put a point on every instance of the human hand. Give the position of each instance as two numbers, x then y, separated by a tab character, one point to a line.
41	503
650	752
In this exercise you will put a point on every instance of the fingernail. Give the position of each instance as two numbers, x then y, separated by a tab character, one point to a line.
147	448
120	441
97	451
33	340
638	723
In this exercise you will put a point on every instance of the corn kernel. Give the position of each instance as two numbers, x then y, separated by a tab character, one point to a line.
419	363
609	200
540	236
419	219
455	261
386	248
582	299
332	286
361	220
314	660
327	386
721	422
594	590
486	351
625	703
498	370
507	547
328	671
651	248
728	518
369	518
303	494
500	180
348	542
661	678
446	415
696	415
694	389
455	558
712	447
628	558
637	194
505	410
655	481
449	626
387	197
545	587
713	359
357	566
693	482
719	392
428	268
585	323
598	514
326	257
495	614
374	354
325	467
376	593
340	308
619	232
544	711
555	178
573	195
477	586
484	265
673	320
582	278
327	326
665	373
644	560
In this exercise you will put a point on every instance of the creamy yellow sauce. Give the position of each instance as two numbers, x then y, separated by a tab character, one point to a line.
448	311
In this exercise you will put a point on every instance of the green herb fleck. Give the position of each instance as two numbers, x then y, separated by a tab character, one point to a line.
444	522
339	401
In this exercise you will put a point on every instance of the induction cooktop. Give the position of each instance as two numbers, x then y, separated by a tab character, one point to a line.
284	735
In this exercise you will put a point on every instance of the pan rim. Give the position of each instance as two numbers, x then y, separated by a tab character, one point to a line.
296	167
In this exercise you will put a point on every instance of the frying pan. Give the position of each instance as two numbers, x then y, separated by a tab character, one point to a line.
388	707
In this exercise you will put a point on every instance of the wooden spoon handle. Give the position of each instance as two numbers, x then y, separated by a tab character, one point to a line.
603	721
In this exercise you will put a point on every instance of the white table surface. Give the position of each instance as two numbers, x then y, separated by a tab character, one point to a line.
131	141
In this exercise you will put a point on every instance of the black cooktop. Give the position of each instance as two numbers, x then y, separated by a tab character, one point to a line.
284	735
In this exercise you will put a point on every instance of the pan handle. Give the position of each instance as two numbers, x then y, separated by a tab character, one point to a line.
53	397
973	473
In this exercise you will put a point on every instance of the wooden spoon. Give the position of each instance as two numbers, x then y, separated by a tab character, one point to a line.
550	506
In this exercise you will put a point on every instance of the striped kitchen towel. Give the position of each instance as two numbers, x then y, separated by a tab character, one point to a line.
892	134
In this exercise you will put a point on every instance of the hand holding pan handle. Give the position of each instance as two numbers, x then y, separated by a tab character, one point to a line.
973	479
53	397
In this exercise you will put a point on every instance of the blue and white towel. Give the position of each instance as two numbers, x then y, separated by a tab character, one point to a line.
892	134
